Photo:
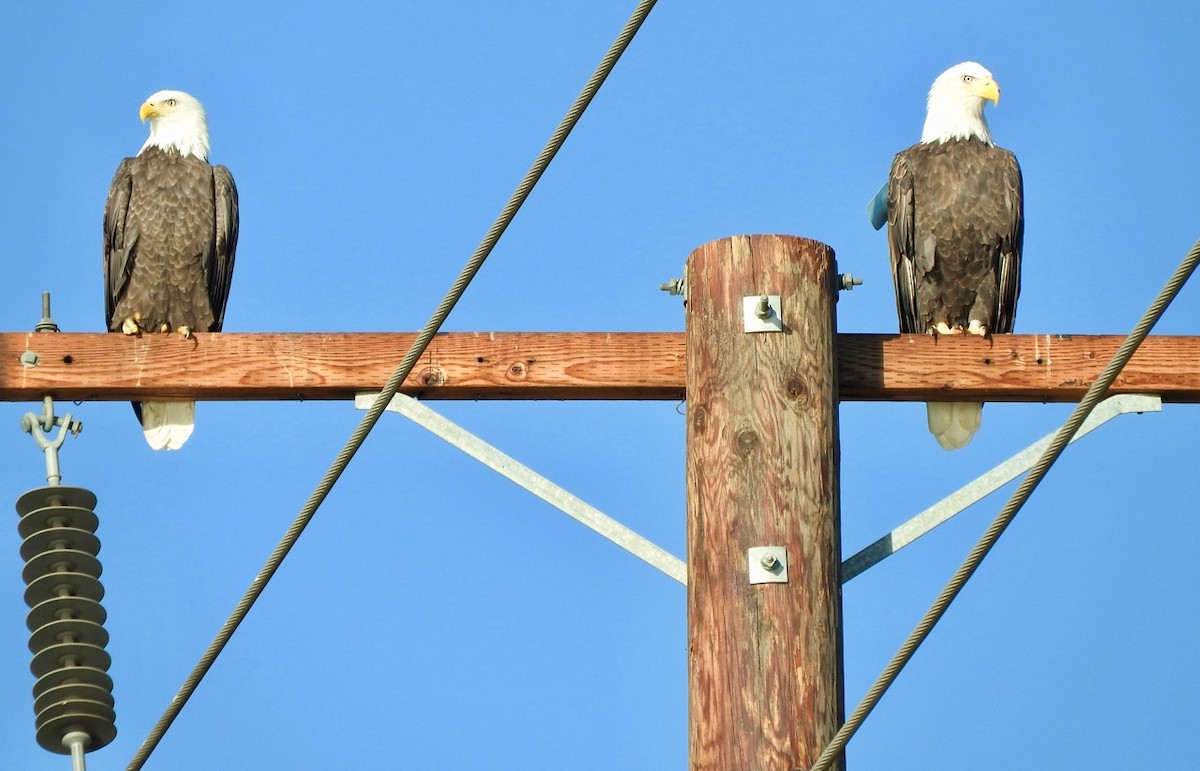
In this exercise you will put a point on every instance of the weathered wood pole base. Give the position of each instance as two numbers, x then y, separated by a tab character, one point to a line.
764	660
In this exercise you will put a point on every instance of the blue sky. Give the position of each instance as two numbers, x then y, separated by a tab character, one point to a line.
435	616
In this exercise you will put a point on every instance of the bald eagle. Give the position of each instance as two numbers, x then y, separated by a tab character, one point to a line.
955	227
170	232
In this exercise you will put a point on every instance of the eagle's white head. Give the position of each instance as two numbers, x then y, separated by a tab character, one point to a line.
177	122
955	107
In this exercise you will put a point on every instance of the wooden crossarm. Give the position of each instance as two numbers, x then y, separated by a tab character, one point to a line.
564	366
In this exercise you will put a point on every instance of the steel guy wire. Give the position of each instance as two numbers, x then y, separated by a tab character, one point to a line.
372	415
838	743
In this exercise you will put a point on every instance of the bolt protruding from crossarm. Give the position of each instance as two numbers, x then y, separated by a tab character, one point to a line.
46	324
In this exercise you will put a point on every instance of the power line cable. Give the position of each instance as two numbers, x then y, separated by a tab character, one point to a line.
393	385
838	743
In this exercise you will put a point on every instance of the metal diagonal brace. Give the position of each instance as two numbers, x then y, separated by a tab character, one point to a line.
988	483
533	482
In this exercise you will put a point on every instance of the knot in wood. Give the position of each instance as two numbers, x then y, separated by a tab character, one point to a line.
746	441
517	370
699	417
796	388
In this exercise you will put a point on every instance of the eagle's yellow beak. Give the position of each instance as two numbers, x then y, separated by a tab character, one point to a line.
987	89
148	110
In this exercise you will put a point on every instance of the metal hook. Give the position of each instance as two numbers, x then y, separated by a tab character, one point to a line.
39	427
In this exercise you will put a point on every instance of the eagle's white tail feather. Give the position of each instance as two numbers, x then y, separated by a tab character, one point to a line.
954	423
167	425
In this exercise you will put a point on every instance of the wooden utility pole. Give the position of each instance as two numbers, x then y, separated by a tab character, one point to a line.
765	659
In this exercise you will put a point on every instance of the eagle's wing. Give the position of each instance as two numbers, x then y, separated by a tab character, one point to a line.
1011	242
901	244
220	260
120	238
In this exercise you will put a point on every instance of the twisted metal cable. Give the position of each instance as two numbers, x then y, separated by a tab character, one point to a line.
838	743
371	417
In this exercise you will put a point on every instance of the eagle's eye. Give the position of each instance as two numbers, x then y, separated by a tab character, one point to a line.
967	78
170	102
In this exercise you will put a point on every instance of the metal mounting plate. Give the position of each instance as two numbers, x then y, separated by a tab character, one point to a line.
767	564
771	318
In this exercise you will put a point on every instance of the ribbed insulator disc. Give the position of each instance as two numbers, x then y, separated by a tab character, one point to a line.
58	608
92	717
63	585
61	561
80	706
68	630
58	495
68	675
69	655
59	538
71	691
58	516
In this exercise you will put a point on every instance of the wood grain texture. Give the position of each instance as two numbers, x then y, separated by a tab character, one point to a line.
567	365
1027	368
464	365
764	660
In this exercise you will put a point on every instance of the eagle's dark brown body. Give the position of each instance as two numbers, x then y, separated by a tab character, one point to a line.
170	228
955	230
170	234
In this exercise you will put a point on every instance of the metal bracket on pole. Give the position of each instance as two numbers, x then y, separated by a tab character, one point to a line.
767	564
533	482
762	313
987	484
